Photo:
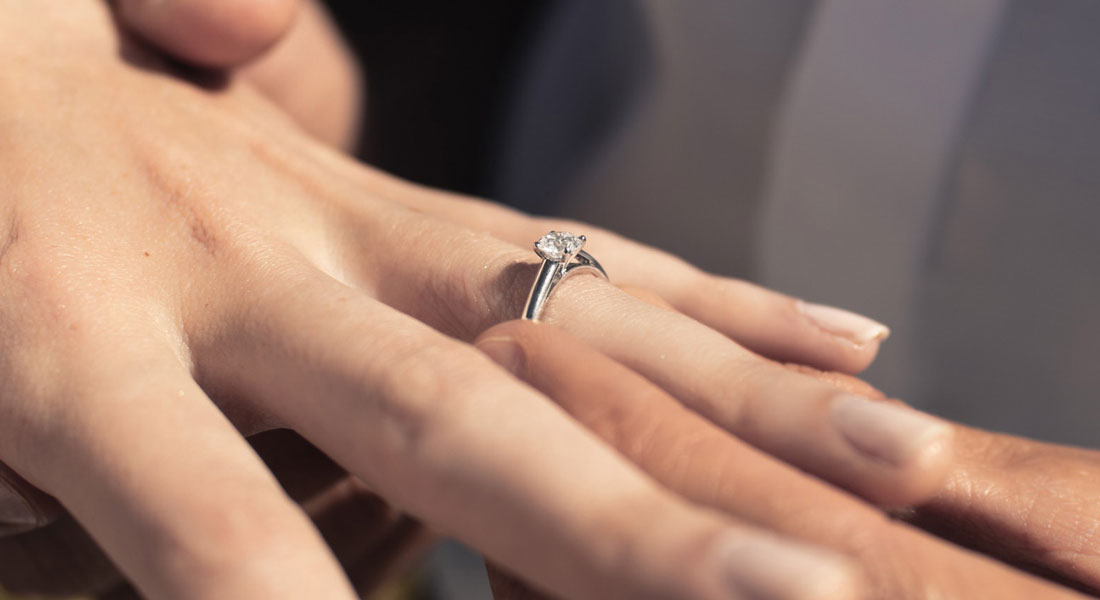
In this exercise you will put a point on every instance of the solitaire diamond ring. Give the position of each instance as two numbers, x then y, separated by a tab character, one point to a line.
562	255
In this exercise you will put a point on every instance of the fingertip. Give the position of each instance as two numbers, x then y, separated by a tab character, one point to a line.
847	324
506	351
210	33
917	483
854	339
506	330
764	566
508	344
781	327
915	450
856	359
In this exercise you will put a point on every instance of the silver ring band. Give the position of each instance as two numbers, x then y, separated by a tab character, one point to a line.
562	256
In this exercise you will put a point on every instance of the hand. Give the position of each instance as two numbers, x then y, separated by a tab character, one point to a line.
183	265
303	40
995	476
373	542
288	49
1029	503
1033	504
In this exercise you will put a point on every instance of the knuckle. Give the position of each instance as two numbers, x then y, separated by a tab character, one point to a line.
424	386
43	290
481	291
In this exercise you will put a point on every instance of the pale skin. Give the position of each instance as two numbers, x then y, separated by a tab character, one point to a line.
183	265
245	336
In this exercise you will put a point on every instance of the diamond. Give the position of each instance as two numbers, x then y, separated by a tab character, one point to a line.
559	245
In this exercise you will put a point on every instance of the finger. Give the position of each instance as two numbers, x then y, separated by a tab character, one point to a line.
887	453
647	296
769	323
462	284
1032	504
694	458
313	76
162	481
210	33
441	432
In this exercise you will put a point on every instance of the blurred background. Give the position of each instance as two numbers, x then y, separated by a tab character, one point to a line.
933	164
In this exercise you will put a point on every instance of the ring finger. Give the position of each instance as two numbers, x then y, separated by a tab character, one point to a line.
441	432
462	283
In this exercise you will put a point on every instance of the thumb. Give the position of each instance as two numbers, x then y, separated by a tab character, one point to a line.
210	33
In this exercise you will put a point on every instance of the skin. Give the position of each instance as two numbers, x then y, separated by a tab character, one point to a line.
1012	498
183	266
1019	500
372	540
1030	503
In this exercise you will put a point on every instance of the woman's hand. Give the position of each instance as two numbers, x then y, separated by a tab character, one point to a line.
180	265
1033	504
372	541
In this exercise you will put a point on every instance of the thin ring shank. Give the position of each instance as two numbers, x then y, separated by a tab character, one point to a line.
549	275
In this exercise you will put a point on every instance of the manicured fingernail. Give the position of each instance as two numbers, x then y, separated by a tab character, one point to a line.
851	326
759	567
889	432
505	351
15	514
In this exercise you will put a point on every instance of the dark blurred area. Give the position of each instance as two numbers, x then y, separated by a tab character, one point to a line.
439	77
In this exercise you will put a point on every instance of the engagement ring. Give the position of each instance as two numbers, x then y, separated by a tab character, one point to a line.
562	255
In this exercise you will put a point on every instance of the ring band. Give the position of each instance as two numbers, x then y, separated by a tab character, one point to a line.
562	255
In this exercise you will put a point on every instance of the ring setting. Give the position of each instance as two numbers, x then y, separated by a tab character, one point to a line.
562	254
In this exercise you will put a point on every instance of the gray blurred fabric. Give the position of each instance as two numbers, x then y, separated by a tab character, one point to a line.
934	164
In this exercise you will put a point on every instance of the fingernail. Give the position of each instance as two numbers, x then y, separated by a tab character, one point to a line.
851	326
505	351
889	432
760	567
15	513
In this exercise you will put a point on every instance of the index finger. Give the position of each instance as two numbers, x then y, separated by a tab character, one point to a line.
886	453
706	465
440	431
